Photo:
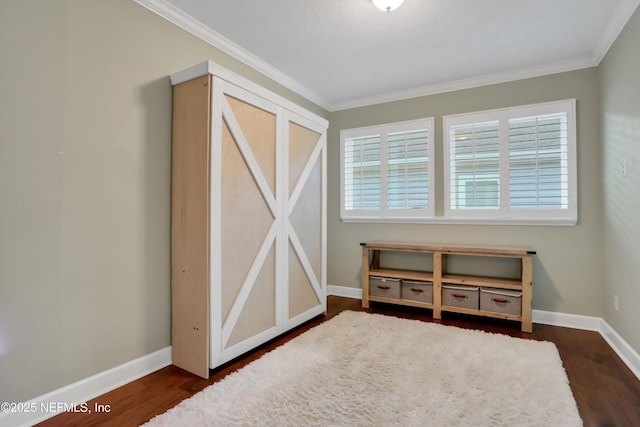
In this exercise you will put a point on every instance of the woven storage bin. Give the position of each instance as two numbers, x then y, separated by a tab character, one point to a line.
384	287
417	291
461	296
501	301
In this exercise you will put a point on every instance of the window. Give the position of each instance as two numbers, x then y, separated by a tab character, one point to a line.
387	172
516	164
475	165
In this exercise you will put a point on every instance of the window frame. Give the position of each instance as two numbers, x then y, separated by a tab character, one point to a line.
384	214
504	213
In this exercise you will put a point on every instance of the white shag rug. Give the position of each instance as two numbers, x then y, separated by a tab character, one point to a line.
361	369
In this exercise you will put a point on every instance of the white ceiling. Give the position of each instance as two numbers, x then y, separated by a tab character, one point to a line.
346	53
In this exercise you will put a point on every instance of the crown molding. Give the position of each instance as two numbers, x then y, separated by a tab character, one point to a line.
617	23
485	80
620	18
172	14
176	16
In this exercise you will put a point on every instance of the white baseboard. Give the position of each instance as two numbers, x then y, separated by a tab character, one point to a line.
344	291
50	404
629	356
575	321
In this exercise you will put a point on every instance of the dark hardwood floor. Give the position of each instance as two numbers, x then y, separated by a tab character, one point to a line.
607	392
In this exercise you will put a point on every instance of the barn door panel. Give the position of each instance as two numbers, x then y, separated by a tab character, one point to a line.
305	219
246	257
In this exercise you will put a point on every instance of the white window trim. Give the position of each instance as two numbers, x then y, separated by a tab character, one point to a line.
384	214
505	215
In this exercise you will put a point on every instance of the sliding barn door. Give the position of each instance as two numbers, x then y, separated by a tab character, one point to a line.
248	221
245	222
305	219
267	221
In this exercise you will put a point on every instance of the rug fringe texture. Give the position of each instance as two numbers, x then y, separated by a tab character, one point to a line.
361	369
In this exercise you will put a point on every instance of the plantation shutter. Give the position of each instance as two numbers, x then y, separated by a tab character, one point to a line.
538	163
408	170
474	155
362	173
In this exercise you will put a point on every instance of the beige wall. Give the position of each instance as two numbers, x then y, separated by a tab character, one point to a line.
35	330
620	72
568	272
85	136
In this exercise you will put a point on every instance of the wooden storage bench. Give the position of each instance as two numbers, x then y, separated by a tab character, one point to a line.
371	269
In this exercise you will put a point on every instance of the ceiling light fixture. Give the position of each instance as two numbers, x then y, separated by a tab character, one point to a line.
387	5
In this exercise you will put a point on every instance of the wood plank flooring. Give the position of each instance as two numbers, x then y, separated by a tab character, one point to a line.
607	392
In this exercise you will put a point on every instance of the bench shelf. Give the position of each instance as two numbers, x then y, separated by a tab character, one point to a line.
518	289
